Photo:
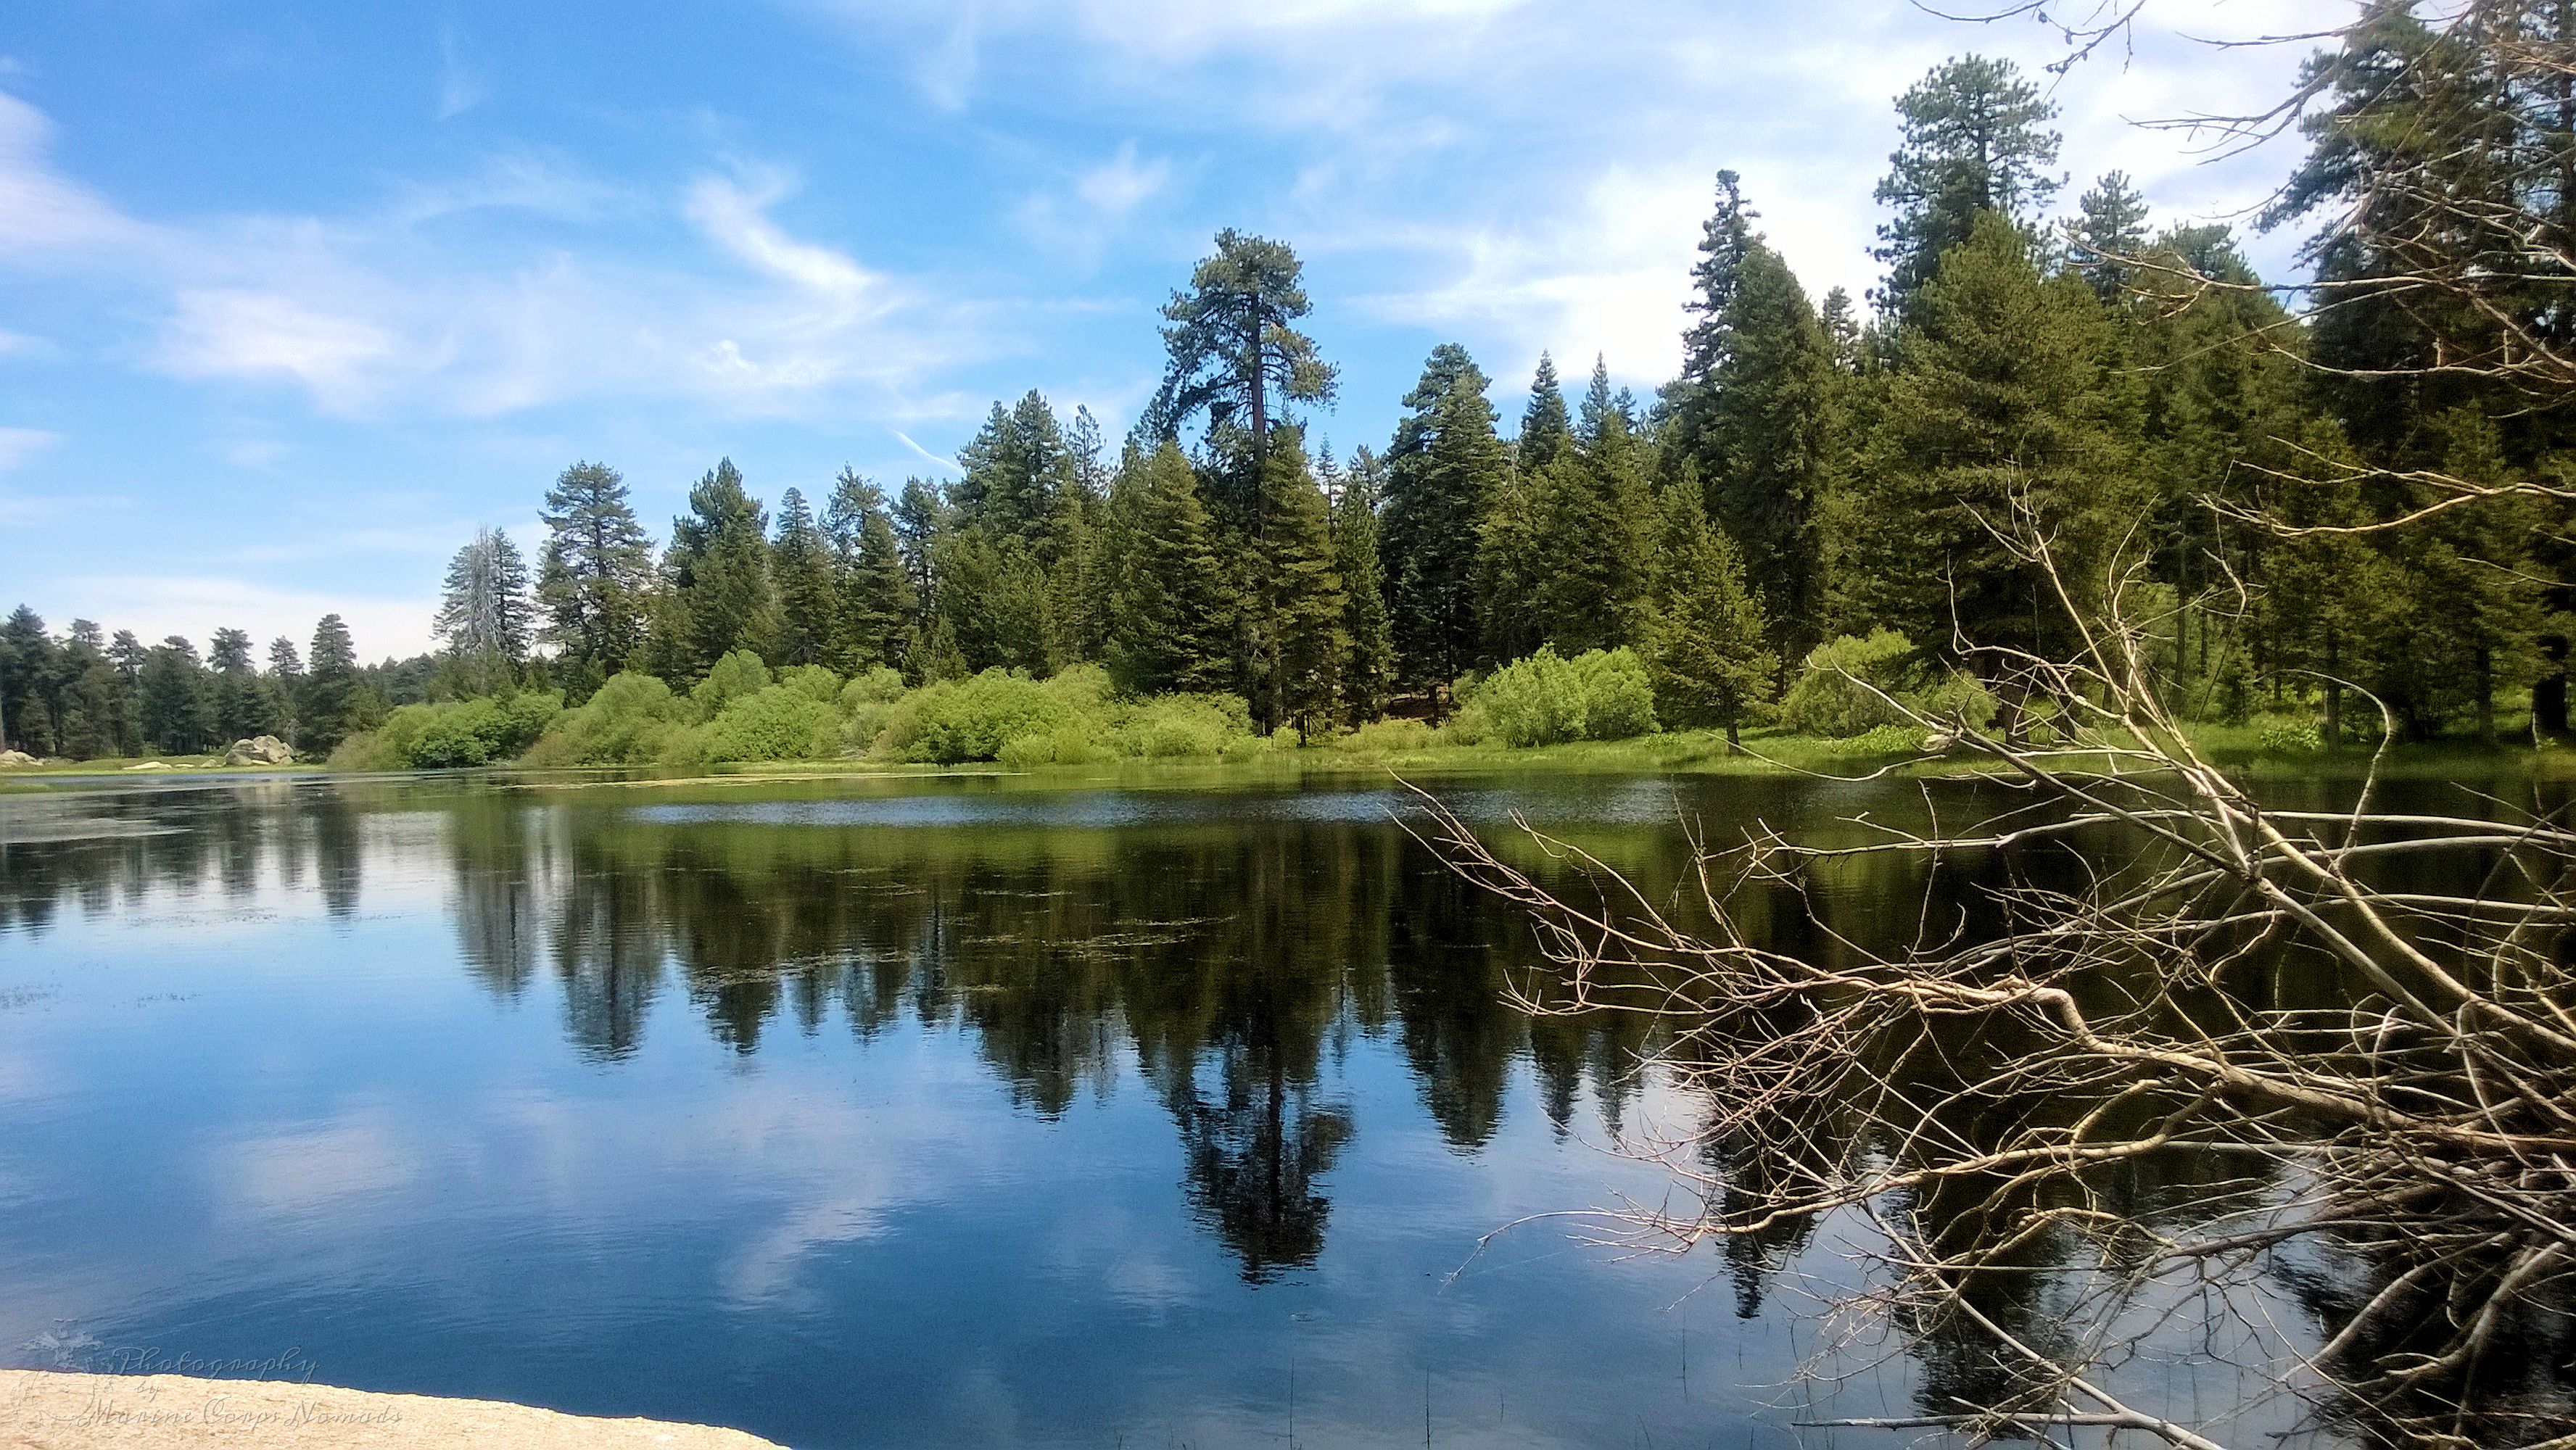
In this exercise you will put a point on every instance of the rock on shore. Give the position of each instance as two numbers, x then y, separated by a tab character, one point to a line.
57	1410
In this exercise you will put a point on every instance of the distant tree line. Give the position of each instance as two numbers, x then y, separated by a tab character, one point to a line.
85	694
1814	472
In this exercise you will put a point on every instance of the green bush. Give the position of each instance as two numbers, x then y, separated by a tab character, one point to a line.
1171	727
949	721
1546	699
452	734
2289	734
736	675
783	722
1845	688
879	686
1068	744
633	720
1388	737
814	682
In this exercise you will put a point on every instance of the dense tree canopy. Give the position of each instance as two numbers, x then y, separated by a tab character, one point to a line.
2132	394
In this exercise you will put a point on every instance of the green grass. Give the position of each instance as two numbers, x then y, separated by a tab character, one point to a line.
1766	752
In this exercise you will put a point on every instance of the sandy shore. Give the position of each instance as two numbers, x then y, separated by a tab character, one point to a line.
52	1410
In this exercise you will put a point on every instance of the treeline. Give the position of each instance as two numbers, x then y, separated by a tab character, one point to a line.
86	694
1817	476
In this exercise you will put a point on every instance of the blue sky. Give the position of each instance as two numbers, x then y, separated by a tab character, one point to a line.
292	297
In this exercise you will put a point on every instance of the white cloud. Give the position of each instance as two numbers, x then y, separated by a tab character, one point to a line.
737	220
233	333
17	445
1121	184
41	213
459	89
926	456
379	314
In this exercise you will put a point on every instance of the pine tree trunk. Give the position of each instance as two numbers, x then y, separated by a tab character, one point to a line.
1734	744
2334	695
2008	711
2486	695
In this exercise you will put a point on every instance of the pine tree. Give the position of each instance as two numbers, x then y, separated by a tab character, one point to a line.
1709	647
332	703
285	681
1514	554
876	612
1443	471
241	702
26	665
177	698
1171	606
1843	332
808	606
994	601
718	573
921	518
1772	444
1594	532
97	709
1976	140
1021	480
1299	602
1725	239
2110	234
1547	429
1368	673
594	575
1234	354
2001	420
484	615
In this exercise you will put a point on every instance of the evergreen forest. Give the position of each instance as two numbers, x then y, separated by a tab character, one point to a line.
1804	531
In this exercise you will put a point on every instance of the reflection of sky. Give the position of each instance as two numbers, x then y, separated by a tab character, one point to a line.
231	1133
1602	799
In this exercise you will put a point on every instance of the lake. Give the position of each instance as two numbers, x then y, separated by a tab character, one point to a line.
860	1113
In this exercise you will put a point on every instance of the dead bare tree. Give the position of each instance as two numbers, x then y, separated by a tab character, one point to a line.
1975	1094
2355	1029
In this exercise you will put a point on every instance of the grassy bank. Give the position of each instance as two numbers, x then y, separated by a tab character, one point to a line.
1765	752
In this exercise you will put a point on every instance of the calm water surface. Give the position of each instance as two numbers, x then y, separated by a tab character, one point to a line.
962	1115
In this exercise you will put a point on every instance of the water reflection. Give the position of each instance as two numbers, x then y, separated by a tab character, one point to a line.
1228	955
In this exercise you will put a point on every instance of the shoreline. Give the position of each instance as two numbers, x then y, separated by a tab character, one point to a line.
78	1410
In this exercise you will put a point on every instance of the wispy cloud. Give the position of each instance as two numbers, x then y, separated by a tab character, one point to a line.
17	445
42	214
459	88
946	464
374	314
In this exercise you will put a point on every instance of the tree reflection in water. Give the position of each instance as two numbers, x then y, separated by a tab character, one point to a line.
1223	964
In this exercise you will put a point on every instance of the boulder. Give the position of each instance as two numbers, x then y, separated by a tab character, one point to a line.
153	765
16	757
260	750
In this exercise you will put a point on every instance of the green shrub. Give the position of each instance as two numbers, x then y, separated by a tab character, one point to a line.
949	721
1618	695
1846	687
1546	699
736	675
633	720
365	750
1388	737
1068	744
1169	727
783	722
814	682
2289	734
452	734
879	686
